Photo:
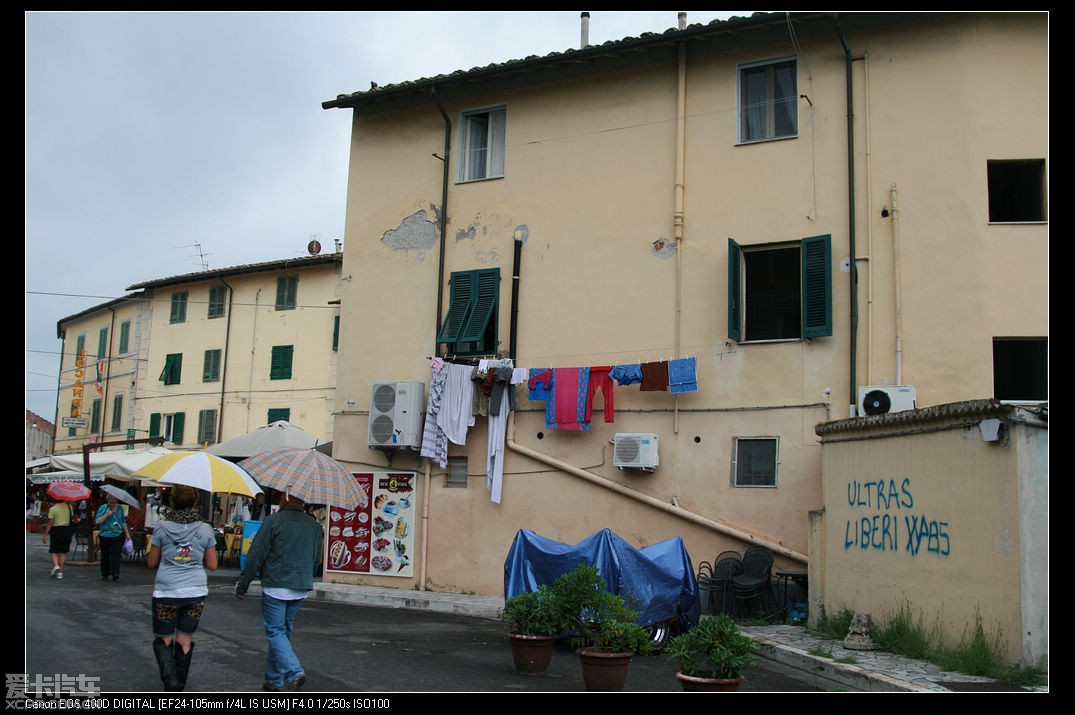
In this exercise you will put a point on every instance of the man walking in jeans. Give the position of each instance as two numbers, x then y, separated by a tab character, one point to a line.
285	554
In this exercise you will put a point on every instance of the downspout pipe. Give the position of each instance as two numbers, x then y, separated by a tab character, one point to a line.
673	509
853	269
224	362
515	296
677	214
443	212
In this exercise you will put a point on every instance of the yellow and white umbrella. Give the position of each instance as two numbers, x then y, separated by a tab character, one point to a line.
201	471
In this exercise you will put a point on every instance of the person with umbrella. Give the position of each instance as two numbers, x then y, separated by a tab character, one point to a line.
112	523
58	532
286	551
183	548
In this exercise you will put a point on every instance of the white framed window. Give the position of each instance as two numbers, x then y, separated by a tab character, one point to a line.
768	100
482	136
755	461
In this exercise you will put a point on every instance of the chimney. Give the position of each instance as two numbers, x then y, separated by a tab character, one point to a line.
682	20
585	31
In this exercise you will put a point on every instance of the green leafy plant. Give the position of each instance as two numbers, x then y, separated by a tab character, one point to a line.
715	648
534	613
598	619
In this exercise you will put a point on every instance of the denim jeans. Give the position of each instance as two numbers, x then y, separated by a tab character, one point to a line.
281	664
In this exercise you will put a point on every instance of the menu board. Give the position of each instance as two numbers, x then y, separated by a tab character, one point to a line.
378	537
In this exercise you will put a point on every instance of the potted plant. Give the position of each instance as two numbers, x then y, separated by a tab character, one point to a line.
712	655
604	628
534	621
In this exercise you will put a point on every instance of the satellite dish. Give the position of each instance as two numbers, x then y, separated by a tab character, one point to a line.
314	247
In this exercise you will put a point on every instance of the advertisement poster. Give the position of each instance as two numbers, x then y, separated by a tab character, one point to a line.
378	537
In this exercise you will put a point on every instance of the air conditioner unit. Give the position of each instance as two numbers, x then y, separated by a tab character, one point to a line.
635	450
396	412
885	399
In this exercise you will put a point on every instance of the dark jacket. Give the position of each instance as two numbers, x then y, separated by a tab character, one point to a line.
286	550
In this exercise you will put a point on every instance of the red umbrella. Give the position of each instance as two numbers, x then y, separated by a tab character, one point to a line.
68	491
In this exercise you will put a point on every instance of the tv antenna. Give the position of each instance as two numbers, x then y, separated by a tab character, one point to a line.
201	254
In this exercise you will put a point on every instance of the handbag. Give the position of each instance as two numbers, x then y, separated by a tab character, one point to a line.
128	546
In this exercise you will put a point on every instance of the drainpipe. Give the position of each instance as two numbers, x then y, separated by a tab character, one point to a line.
673	509
515	293
425	525
253	348
443	212
108	372
224	363
853	270
677	216
896	269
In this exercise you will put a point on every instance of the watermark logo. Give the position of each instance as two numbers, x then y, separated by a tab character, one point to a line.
21	685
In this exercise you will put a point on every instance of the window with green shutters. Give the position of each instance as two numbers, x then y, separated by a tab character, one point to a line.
124	337
179	307
282	355
80	345
287	289
211	367
207	426
102	342
780	292
168	426
117	412
95	415
217	295
173	369
279	413
471	325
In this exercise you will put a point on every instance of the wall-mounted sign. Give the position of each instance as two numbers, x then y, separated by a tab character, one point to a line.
76	389
378	537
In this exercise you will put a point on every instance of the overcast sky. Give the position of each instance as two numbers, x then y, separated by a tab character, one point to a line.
159	143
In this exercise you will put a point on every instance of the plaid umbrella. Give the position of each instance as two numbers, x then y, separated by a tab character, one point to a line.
69	491
200	470
307	474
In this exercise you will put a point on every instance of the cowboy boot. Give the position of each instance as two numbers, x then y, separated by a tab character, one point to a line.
182	664
166	661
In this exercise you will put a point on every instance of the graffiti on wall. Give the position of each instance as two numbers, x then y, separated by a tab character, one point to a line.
889	521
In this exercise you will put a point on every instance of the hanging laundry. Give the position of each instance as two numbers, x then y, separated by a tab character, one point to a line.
456	414
629	374
600	379
654	376
570	387
434	439
682	375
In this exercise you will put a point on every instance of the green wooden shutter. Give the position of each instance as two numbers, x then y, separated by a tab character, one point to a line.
95	415
124	336
117	412
279	413
817	286
735	330
102	343
462	289
280	367
211	367
155	424
336	333
287	288
177	427
485	287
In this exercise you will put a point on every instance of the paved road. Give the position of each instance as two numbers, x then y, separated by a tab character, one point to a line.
102	629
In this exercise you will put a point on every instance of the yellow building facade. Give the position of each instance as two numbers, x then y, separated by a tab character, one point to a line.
808	208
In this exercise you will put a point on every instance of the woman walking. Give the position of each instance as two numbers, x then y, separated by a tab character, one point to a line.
183	548
112	523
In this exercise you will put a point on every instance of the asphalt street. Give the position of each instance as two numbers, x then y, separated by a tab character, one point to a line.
85	625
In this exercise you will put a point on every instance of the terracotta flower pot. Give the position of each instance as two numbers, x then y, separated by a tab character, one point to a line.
532	654
693	683
603	670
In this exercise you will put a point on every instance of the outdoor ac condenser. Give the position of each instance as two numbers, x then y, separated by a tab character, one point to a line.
397	409
635	450
885	399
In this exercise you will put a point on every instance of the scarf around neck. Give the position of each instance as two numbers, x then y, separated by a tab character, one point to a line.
182	516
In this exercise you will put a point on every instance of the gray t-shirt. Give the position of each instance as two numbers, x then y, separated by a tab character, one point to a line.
181	573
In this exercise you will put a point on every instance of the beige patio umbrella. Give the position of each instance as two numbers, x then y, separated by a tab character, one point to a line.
273	435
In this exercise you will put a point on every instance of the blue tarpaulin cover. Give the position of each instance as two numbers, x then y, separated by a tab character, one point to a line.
658	581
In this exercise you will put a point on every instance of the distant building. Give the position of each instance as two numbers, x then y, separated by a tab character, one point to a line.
39	434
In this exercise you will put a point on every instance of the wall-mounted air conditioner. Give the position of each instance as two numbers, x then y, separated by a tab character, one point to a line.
885	399
635	450
396	413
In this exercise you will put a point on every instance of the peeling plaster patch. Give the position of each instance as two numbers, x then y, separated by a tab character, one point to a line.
415	233
490	256
521	233
664	248
469	232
